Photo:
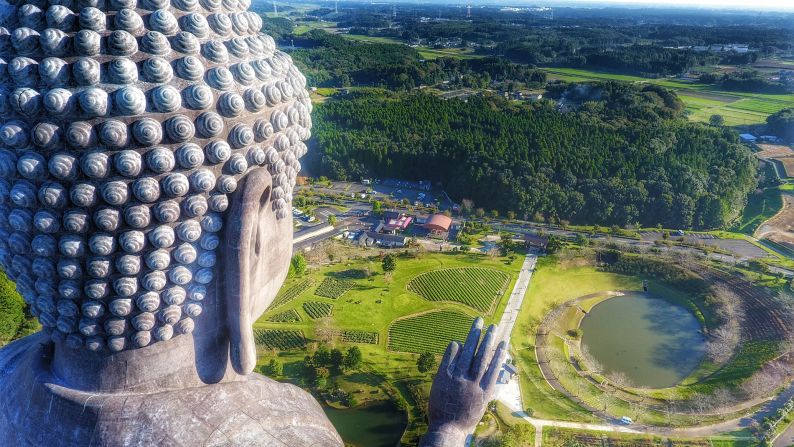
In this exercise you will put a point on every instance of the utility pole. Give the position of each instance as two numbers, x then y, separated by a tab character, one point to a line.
336	6
275	8
468	11
394	11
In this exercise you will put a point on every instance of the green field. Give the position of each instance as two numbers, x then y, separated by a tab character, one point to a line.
317	309
282	340
760	208
333	288
362	317
430	332
290	292
288	316
701	100
475	287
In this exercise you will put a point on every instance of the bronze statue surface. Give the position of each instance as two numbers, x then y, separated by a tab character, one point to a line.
148	152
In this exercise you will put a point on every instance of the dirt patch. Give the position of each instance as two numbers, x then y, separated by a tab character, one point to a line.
774	150
779	228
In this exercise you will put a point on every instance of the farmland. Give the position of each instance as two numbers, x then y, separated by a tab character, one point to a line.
289	316
279	339
701	100
411	334
333	288
317	309
475	287
287	294
365	313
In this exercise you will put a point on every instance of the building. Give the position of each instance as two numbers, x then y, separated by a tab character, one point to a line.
439	224
748	138
507	373
533	240
371	238
397	224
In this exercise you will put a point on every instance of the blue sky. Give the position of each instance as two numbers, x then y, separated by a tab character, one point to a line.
780	5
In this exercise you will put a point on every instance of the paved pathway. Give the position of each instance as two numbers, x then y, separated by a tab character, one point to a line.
516	298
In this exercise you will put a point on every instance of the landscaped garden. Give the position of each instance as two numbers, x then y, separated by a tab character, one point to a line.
351	302
744	355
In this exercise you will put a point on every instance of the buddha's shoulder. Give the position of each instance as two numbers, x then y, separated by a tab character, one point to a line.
255	412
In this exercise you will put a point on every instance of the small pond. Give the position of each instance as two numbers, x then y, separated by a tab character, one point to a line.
378	424
654	342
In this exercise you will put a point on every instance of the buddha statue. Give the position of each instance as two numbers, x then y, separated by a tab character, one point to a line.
148	154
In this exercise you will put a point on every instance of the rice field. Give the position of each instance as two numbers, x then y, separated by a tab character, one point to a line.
429	332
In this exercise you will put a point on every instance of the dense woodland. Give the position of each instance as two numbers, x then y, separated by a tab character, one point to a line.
641	42
329	60
782	124
622	154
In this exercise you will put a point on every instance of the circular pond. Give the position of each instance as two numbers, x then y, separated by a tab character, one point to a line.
654	342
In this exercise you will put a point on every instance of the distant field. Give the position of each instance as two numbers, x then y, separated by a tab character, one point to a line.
455	53
372	39
305	27
701	100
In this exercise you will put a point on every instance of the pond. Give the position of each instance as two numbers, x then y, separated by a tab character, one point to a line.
654	342
378	424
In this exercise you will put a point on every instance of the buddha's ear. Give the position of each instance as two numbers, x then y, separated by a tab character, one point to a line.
256	253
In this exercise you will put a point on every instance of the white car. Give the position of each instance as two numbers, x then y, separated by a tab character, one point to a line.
626	420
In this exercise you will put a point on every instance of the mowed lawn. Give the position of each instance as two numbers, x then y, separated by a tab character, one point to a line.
701	100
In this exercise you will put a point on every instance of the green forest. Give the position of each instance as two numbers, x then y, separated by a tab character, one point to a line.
619	154
330	60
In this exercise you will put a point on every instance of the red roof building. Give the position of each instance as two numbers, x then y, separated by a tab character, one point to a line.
439	223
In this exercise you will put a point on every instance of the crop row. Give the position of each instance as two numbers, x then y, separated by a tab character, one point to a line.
474	287
334	288
316	309
370	338
430	332
289	294
281	340
288	316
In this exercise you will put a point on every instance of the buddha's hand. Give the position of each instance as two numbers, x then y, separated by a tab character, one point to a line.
463	387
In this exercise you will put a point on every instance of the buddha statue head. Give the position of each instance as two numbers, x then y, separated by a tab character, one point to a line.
148	153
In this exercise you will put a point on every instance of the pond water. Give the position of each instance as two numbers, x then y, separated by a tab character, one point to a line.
379	424
654	342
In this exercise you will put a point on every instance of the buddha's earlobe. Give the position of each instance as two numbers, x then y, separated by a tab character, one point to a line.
244	234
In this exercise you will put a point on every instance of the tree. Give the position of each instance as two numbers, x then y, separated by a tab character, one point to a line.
717	120
298	264
322	356
389	263
554	245
336	359
12	310
505	244
331	220
273	368
426	362
321	377
352	358
377	208
479	212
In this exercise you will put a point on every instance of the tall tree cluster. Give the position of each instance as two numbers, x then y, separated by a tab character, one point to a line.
610	153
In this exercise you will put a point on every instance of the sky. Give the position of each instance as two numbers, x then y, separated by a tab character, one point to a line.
780	5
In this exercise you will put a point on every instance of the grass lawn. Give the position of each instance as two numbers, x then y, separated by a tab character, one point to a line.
760	207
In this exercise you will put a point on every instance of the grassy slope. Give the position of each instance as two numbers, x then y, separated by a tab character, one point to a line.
760	207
